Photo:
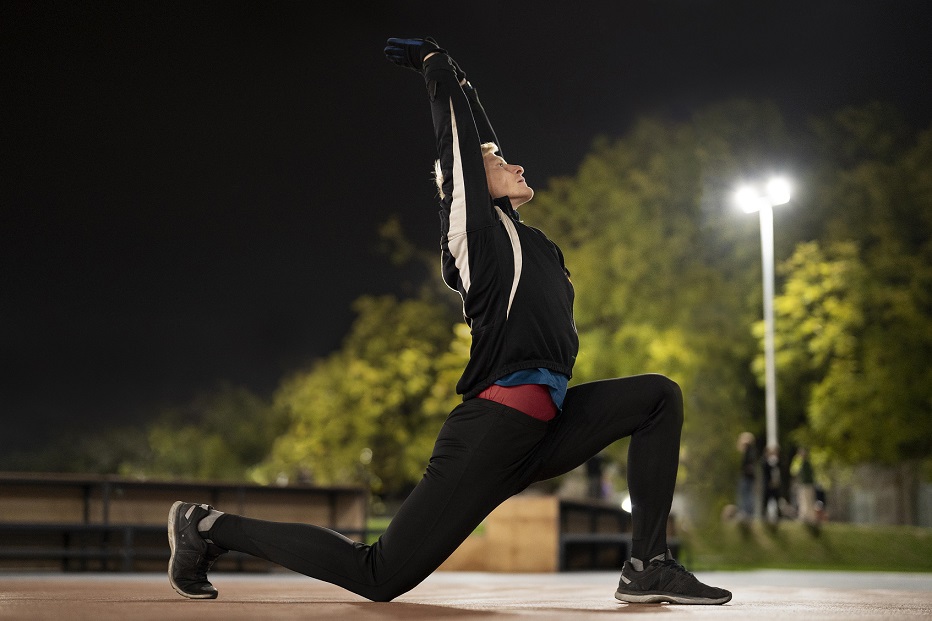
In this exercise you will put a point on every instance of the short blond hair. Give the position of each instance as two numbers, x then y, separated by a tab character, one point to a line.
486	147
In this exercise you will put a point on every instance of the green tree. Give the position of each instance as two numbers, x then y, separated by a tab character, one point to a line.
369	412
854	341
219	435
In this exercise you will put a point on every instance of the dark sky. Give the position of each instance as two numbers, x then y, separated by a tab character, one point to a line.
190	191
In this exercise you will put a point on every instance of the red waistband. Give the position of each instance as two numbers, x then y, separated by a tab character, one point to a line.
532	399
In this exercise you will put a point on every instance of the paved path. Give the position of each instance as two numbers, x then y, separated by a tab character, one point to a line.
574	596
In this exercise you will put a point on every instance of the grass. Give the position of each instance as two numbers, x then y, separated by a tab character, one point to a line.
792	545
376	526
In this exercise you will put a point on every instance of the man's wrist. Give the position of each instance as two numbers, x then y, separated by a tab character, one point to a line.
462	82
438	60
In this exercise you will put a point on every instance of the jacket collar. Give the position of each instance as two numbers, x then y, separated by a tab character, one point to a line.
504	203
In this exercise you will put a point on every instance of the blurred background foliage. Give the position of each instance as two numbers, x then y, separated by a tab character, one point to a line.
668	279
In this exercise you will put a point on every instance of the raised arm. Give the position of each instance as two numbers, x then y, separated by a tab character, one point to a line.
486	133
466	204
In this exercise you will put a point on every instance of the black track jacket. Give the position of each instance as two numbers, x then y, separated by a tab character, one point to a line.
517	295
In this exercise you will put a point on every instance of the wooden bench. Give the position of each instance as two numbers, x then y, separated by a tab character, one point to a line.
593	535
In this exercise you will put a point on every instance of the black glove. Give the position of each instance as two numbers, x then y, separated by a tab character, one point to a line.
411	53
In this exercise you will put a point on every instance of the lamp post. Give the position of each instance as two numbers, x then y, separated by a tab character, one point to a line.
750	199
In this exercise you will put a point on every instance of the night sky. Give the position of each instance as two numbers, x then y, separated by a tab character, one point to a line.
190	192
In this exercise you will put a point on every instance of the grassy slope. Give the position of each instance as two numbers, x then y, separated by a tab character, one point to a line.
792	545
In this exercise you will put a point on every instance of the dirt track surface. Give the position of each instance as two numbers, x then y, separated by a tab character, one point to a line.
463	597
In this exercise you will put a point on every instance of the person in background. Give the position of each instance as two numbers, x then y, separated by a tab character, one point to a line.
804	486
772	484
747	475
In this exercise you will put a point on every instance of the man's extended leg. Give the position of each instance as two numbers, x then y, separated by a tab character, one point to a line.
481	457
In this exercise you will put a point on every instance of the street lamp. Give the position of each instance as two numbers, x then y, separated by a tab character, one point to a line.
762	200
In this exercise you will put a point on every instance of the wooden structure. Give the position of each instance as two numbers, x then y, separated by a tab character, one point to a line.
529	533
105	523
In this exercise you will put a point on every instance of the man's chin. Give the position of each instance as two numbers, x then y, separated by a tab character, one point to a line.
517	201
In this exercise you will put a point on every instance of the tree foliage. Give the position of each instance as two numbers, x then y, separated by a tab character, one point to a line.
857	347
370	411
219	435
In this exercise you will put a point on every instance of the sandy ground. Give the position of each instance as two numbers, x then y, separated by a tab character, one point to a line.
463	597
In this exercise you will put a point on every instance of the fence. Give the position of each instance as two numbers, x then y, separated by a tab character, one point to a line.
104	523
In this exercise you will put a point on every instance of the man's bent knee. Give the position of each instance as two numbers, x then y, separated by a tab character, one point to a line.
670	399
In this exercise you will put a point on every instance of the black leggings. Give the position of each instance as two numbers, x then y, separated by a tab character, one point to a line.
485	453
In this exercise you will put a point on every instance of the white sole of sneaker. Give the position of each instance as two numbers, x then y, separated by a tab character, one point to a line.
172	521
660	598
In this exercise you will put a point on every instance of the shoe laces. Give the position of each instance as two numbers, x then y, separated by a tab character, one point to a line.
674	565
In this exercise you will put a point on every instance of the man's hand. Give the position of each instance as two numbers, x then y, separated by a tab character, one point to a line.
460	74
411	53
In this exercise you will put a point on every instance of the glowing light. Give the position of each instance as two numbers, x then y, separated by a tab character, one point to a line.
751	198
778	191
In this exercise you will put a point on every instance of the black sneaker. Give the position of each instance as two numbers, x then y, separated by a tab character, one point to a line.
191	555
665	580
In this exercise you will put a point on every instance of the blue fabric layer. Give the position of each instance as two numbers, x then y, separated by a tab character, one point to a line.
555	382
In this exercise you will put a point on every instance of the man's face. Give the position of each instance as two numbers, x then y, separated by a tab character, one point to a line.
506	179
